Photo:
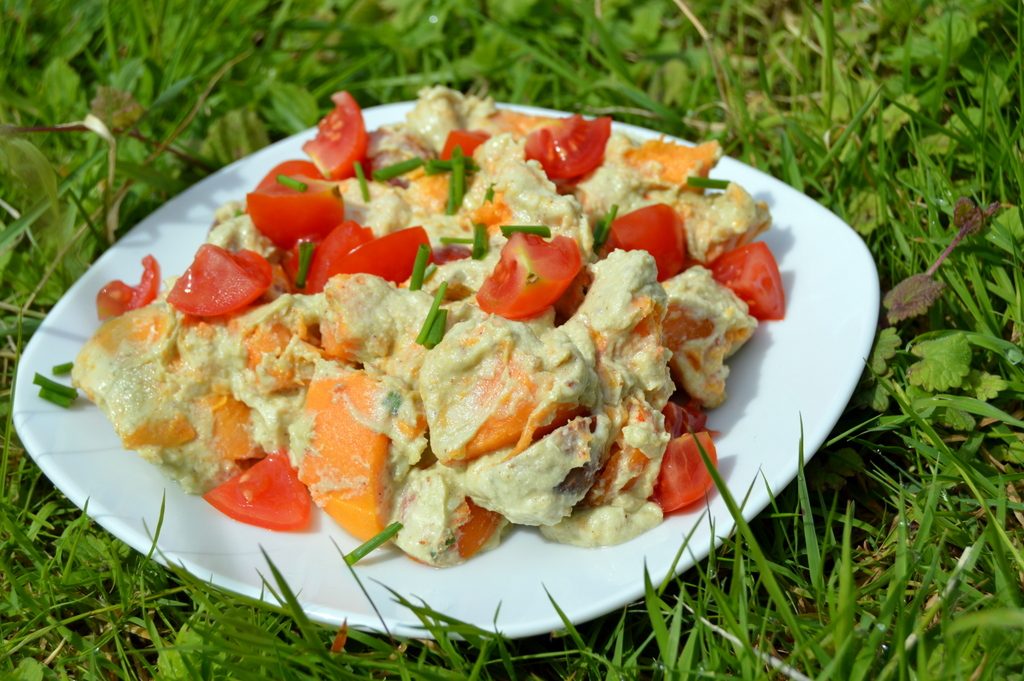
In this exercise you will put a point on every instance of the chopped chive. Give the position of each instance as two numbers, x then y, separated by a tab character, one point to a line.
306	249
457	183
539	230
396	169
419	267
428	323
436	166
364	188
480	243
60	399
604	227
489	194
436	330
429	272
706	183
292	183
63	369
382	537
455	240
44	382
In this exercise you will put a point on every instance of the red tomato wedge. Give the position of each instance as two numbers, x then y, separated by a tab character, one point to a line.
339	243
448	253
683	478
390	257
572	147
285	215
686	418
117	297
753	275
220	282
469	140
269	494
656	229
294	168
531	275
341	139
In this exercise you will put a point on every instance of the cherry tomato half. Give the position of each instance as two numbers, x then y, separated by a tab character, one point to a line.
268	494
220	282
296	168
683	478
531	275
656	229
328	254
285	215
390	257
469	140
117	297
753	274
341	139
572	147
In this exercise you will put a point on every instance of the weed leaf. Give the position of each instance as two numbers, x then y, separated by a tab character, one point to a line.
944	364
912	297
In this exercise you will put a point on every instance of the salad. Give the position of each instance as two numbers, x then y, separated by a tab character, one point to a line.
473	319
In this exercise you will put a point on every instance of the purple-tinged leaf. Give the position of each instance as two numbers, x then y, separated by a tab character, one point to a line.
911	297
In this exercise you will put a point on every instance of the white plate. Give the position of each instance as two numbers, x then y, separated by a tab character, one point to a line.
798	371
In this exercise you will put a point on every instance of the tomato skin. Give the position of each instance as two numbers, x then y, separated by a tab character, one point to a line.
268	494
753	274
390	257
449	253
469	140
683	478
220	282
341	139
531	275
285	215
117	297
685	418
339	243
294	168
572	147
656	229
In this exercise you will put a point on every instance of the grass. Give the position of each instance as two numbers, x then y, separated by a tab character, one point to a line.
897	555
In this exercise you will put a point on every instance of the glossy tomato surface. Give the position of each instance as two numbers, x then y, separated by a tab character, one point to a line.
268	494
329	253
753	274
220	282
571	148
285	215
117	297
390	257
656	229
531	275
469	140
295	168
341	139
683	478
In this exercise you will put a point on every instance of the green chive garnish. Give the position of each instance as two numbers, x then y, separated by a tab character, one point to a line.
428	323
306	249
419	267
429	272
436	329
489	194
480	242
455	240
60	399
53	386
364	188
361	551
436	166
401	168
706	183
539	230
63	369
604	228
292	183
457	183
